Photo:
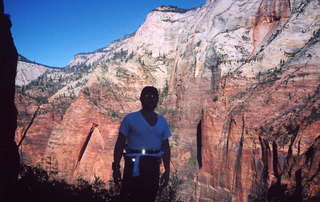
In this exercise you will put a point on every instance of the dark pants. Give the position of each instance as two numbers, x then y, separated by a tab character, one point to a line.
142	188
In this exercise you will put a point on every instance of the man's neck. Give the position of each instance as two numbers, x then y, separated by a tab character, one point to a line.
147	111
150	116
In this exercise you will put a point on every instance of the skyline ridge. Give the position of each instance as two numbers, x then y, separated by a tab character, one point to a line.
53	33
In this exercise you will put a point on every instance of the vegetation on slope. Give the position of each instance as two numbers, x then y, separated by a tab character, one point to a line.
37	185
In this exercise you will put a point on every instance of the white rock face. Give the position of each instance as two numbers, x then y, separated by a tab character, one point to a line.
27	72
87	59
218	30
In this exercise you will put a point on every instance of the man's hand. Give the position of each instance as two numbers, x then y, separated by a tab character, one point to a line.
164	180
117	154
116	176
166	163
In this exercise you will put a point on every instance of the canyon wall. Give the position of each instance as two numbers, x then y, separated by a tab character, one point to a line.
260	135
239	85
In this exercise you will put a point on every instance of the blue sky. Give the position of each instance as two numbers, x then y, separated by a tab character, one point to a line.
51	32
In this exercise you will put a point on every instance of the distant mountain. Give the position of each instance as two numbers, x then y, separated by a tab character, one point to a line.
28	71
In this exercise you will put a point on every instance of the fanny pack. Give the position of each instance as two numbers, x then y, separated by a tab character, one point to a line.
142	160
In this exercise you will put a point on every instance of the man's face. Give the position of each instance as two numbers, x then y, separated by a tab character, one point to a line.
149	100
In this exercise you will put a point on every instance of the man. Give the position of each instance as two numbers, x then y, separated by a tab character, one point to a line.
144	136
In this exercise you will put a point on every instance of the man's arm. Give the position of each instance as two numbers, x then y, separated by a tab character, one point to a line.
166	162
118	149
166	156
117	154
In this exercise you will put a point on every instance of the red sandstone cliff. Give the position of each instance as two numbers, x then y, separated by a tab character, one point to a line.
260	133
260	138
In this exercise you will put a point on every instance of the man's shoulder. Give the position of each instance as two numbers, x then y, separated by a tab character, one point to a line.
131	115
162	118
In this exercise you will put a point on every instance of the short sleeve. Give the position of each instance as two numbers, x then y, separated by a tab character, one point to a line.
166	132
124	126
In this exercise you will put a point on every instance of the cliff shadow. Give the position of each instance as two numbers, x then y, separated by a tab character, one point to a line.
9	156
199	144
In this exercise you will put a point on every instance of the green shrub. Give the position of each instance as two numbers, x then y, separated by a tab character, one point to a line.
36	185
170	193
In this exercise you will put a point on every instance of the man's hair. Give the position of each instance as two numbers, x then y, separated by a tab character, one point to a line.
149	89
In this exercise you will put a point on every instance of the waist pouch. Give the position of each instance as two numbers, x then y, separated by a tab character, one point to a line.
142	165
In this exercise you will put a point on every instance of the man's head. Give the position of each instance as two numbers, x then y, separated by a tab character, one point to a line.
149	97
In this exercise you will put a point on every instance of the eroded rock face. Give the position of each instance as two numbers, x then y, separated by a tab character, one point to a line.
259	134
249	71
76	148
270	16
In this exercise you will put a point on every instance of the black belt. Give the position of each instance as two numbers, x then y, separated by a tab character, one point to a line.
142	151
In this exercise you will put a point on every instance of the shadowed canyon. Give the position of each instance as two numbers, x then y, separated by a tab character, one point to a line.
239	83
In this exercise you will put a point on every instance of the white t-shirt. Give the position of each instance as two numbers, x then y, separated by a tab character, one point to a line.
141	135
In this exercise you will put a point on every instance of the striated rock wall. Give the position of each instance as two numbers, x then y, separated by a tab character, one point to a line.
77	148
260	135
